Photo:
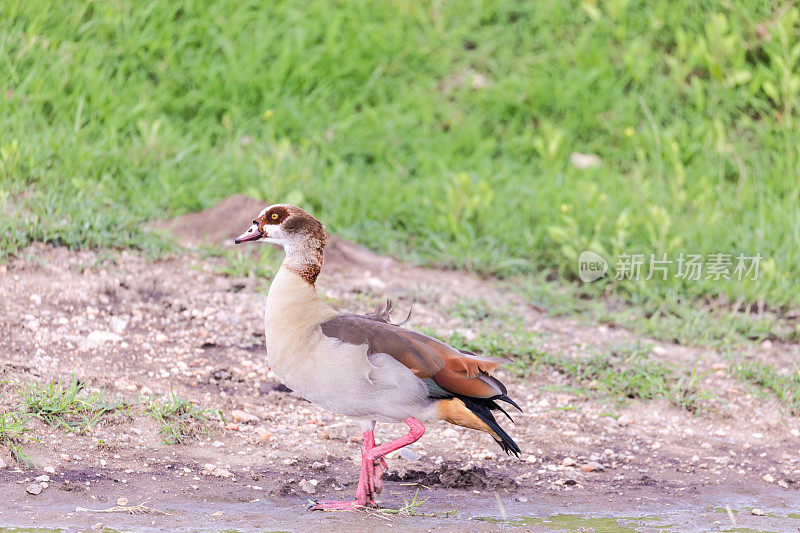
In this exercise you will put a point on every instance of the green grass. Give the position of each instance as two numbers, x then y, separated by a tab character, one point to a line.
64	405
67	405
631	376
624	373
439	132
409	508
674	319
245	262
13	434
785	386
178	419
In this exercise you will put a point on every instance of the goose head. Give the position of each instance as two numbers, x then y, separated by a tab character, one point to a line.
288	226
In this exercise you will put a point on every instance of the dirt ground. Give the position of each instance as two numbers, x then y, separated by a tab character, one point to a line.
136	328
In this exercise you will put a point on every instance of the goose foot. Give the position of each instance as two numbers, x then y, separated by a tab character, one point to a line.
336	505
373	466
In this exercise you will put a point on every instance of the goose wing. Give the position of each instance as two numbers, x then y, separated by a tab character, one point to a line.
455	371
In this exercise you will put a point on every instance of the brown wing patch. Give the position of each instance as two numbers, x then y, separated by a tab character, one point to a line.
455	371
383	338
455	361
481	386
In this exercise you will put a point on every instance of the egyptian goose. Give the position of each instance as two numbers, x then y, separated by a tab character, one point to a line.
363	366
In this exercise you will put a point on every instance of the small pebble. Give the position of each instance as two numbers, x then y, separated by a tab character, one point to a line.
98	337
309	486
593	466
408	454
337	432
243	416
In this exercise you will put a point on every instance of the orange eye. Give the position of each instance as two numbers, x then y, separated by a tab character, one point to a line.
274	216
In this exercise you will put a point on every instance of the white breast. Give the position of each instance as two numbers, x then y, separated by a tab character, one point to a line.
337	376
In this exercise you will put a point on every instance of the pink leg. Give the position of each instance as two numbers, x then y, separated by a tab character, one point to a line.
416	430
372	467
364	492
377	467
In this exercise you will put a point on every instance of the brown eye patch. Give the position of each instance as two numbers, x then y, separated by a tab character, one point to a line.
276	215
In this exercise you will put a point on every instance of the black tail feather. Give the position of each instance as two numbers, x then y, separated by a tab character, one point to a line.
506	399
483	407
502	411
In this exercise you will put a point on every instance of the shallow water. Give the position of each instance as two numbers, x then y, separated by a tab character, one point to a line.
566	523
591	513
639	524
51	530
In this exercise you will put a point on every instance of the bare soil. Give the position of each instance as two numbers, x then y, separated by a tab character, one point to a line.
179	324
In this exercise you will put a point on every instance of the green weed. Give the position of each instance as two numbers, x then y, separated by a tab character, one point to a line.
409	508
785	387
178	419
473	310
672	319
13	434
244	263
624	373
64	405
630	377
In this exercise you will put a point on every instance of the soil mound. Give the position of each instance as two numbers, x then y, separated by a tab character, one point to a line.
228	219
215	225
